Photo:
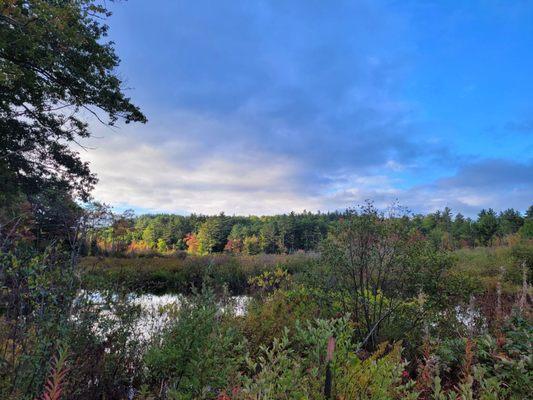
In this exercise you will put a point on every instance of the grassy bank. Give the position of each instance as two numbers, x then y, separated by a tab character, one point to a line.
483	267
179	275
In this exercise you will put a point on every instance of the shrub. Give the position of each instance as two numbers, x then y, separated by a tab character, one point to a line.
199	354
509	358
293	367
379	377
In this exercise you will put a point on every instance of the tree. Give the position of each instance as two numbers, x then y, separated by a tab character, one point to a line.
212	235
162	245
251	245
239	231
376	263
55	68
446	219
526	231
462	231
529	212
268	237
510	221
233	245
149	236
192	243
486	226
287	233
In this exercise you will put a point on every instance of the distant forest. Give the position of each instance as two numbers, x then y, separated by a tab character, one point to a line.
289	233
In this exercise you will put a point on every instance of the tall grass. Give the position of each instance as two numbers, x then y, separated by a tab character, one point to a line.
491	266
180	275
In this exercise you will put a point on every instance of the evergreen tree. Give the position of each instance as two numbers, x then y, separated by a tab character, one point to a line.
487	226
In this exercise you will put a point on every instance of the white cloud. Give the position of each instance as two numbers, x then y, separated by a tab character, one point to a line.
144	176
171	176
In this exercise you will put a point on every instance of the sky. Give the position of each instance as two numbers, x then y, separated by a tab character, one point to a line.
265	107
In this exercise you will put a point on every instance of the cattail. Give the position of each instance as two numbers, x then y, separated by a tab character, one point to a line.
525	288
329	358
331	349
499	295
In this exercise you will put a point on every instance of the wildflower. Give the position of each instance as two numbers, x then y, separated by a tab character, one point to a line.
223	396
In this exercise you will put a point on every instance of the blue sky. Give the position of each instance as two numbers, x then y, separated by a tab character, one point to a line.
261	107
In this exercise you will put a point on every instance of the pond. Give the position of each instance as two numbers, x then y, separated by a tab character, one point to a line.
156	309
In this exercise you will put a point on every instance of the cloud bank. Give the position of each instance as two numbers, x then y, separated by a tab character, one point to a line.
269	107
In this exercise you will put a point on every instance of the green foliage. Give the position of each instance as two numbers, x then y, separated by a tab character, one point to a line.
268	238
198	354
510	358
269	281
378	277
378	377
106	344
522	255
486	226
203	353
161	246
411	290
180	275
55	66
378	264
293	232
526	231
267	318
510	222
280	375
251	245
42	308
484	368
35	297
293	367
212	235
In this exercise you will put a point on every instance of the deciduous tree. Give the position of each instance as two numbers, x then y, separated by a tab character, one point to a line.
56	70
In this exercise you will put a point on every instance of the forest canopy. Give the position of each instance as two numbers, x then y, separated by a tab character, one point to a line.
289	233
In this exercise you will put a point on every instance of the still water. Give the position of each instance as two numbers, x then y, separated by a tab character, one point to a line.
158	310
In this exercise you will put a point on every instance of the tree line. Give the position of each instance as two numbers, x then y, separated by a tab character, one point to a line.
288	233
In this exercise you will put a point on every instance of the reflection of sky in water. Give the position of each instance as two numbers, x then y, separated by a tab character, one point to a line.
157	310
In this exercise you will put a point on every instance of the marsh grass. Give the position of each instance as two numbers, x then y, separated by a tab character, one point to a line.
159	275
490	265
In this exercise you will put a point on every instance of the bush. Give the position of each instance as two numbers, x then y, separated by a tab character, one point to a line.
294	366
509	358
199	354
43	310
378	377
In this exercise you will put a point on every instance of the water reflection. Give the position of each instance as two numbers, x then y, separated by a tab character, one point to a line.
157	311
